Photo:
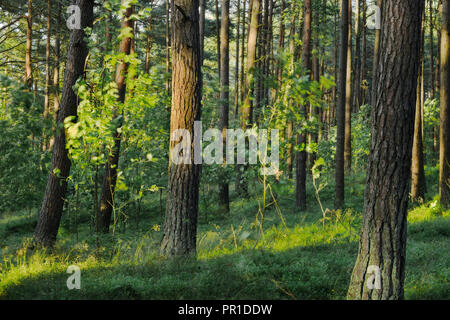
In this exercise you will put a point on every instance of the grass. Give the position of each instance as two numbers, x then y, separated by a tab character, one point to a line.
303	258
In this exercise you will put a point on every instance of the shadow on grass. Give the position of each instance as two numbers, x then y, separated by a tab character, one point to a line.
309	272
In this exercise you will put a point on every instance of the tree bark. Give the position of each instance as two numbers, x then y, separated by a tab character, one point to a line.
168	45
247	106
28	65
180	227
340	109
55	191
348	97
57	66
382	245
376	54
301	156
417	162
218	35
47	63
149	40
444	172
224	196
106	206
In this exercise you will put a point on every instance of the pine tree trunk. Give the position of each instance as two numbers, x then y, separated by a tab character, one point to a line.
202	30
149	40
224	196
340	108
376	55
180	227
348	97
57	66
431	50
218	35
236	67
55	191
28	66
47	64
382	245
247	106
357	73
106	206
417	162
168	45
444	172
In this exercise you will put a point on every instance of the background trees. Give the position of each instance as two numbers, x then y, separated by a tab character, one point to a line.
147	68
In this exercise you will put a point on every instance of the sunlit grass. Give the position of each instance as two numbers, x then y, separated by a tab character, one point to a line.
306	259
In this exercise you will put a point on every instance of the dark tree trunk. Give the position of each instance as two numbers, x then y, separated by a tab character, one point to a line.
444	173
218	35
47	63
348	97
301	157
357	73
247	106
55	191
201	27
180	227
236	66
224	197
111	166
168	45
340	108
57	66
382	245
290	126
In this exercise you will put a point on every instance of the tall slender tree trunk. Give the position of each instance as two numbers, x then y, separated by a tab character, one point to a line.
224	196
218	35
376	55
57	63
444	159
55	191
168	21
348	97
236	66
382	244
363	76
28	65
301	156
417	163
432	88
202	30
243	39
106	206
281	43
47	62
290	127
340	108
180	226
149	40
247	106
357	73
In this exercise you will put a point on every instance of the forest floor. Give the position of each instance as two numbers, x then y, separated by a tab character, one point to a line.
286	255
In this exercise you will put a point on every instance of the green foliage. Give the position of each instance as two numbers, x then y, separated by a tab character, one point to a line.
22	163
